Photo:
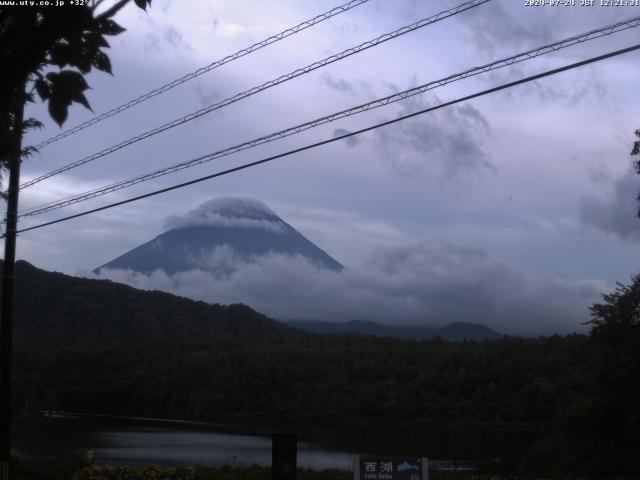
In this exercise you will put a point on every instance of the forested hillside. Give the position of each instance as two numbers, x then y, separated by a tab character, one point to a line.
54	311
457	331
543	386
337	379
175	358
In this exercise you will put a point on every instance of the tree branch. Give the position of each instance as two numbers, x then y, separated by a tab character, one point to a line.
113	10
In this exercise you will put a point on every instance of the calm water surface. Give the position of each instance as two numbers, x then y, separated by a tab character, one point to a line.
145	442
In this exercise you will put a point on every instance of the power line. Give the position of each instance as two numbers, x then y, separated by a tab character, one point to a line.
342	137
530	54
272	83
218	63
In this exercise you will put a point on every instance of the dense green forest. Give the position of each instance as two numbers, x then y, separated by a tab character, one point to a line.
54	311
541	384
579	393
329	380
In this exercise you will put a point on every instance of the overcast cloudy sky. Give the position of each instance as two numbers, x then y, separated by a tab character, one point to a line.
521	200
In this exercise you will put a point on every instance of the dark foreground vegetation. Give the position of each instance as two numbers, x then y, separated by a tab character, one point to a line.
74	469
580	394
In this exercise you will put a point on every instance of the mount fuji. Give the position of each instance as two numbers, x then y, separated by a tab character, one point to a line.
217	234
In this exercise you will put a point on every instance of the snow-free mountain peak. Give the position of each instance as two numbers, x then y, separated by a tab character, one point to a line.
217	236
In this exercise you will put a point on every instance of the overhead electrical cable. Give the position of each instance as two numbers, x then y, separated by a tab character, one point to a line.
272	83
520	57
218	63
341	137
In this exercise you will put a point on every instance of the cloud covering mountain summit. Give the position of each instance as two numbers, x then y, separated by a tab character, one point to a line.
237	250
230	212
218	235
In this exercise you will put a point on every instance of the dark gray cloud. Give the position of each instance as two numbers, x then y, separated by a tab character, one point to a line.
500	27
350	141
528	143
339	84
616	212
599	175
450	141
585	86
493	27
212	213
428	283
352	87
173	37
206	95
166	35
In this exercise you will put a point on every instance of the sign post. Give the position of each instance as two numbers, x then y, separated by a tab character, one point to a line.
284	451
390	468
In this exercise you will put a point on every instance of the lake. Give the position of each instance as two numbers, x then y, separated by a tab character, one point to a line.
146	442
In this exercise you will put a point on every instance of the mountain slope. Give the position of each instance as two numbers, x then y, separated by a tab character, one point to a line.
457	331
215	235
54	311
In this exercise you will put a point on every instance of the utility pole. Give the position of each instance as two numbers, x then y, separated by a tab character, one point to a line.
6	310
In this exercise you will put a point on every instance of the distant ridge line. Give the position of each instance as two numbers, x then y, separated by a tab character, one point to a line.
456	331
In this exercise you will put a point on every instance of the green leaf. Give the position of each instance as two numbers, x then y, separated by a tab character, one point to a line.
109	27
61	55
80	98
32	123
70	82
101	62
58	111
83	61
42	87
142	3
28	151
96	40
66	87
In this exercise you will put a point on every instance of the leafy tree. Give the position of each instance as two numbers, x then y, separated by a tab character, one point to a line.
636	151
615	418
34	41
48	50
